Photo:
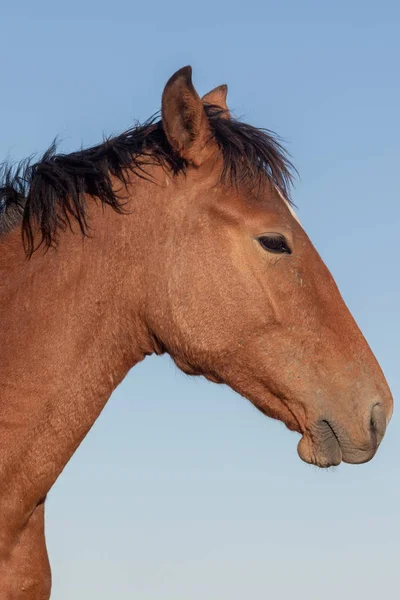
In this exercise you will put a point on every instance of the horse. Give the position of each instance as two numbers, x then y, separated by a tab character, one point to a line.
178	236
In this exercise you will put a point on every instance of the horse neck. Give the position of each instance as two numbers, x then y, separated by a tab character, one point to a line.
70	329
70	318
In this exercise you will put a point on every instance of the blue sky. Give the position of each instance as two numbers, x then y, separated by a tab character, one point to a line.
182	490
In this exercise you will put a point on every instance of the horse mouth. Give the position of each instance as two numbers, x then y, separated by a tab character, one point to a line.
327	446
321	446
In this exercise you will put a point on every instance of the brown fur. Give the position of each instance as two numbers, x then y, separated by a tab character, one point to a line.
181	272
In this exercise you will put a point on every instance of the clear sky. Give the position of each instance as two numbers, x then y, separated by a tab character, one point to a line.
182	490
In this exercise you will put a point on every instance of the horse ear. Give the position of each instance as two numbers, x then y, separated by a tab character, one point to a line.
184	120
217	97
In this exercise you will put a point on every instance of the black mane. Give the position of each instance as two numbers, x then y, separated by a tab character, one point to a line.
50	194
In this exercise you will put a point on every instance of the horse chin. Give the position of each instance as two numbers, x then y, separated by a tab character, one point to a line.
324	452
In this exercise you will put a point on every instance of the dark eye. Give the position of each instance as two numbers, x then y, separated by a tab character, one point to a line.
274	243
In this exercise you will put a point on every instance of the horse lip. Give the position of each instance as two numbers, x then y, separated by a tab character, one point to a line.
321	445
325	445
333	431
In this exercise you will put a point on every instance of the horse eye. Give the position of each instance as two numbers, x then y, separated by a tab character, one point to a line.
275	243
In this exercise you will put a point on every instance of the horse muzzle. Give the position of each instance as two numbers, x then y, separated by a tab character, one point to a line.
327	443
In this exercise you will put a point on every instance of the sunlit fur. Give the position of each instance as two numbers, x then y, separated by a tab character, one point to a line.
149	243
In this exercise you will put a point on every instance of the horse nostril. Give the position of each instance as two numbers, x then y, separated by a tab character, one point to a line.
378	422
